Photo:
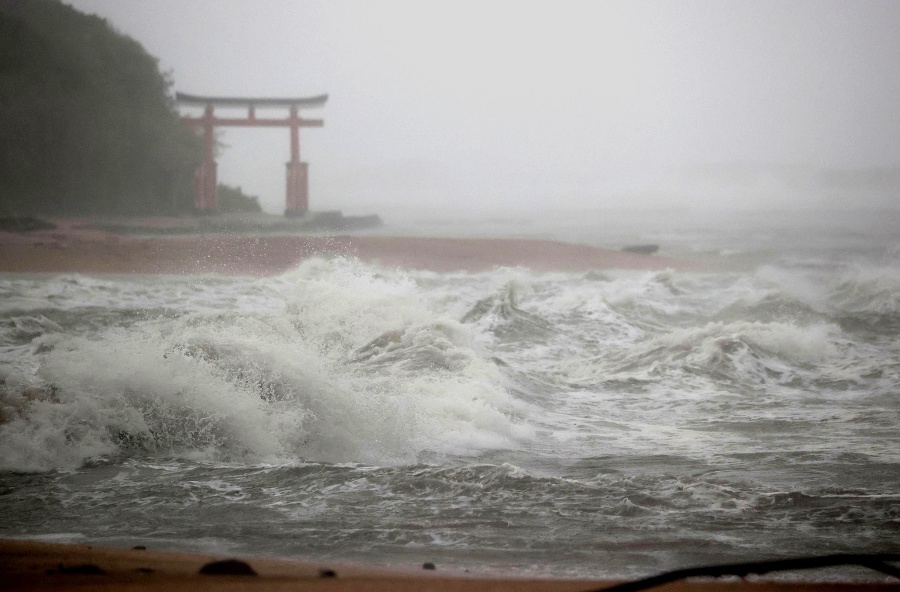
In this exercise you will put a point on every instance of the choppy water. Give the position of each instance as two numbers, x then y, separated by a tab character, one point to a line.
588	424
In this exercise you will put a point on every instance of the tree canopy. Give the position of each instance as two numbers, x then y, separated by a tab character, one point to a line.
87	122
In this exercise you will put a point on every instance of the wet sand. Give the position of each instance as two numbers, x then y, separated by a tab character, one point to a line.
31	565
76	248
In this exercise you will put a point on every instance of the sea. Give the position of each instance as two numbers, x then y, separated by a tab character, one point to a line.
590	424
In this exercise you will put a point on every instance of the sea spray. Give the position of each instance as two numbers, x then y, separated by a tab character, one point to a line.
592	424
233	385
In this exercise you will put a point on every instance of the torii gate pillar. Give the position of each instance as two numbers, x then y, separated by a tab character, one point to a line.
296	201
205	198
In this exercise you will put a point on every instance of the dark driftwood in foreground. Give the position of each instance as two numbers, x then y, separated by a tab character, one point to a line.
873	561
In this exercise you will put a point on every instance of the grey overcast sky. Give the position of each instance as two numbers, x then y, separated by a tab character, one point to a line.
495	104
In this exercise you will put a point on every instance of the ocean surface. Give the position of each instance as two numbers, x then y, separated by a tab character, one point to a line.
581	424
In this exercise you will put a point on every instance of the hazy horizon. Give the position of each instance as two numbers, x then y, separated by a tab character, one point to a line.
521	106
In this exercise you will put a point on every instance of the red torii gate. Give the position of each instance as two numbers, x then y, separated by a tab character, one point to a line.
297	195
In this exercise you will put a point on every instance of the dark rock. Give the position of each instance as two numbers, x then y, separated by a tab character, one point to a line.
327	573
335	220
428	565
641	249
227	567
24	224
139	548
84	569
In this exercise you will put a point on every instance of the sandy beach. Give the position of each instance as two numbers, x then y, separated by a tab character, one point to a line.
32	565
75	247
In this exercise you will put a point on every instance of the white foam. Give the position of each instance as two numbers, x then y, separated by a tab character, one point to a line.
270	387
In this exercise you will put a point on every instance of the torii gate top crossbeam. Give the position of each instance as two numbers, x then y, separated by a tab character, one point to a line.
186	99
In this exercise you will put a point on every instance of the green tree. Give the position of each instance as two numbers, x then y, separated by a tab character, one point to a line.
87	123
233	199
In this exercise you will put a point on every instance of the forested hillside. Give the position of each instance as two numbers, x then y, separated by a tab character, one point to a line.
86	121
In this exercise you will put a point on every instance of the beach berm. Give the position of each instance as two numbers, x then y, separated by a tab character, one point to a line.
76	247
33	565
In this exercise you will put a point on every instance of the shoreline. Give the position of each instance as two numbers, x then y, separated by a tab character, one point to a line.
32	565
76	247
36	565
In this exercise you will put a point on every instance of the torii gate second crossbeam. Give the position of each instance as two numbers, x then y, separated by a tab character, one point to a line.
297	194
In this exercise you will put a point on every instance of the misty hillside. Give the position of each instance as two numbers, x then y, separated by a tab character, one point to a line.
86	123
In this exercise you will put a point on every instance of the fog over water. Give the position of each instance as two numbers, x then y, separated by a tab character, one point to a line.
512	105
